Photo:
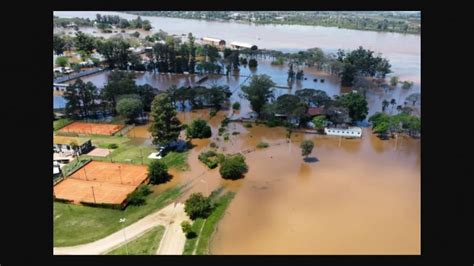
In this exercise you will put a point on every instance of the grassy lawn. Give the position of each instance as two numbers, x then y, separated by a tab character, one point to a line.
76	224
177	160
190	244
131	153
58	124
146	244
201	243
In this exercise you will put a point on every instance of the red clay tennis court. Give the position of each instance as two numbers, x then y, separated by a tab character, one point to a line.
101	182
91	128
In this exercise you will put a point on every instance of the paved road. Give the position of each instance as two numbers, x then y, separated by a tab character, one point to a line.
172	243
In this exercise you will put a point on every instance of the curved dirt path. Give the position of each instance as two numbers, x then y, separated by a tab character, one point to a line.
172	242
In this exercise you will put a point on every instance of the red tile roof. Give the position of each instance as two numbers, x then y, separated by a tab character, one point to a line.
312	111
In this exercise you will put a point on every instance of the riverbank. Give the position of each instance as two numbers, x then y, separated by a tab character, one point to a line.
349	20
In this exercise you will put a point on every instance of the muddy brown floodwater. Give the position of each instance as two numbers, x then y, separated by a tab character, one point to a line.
354	196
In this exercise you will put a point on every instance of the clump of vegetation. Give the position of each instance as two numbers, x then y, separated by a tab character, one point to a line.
272	123
197	206
235	133
225	122
226	136
187	230
213	145
130	107
158	172
199	129
236	106
407	85
138	196
112	146
253	63
221	131
306	147
278	61
262	145
233	167
394	81
247	125
319	122
212	113
384	124
210	158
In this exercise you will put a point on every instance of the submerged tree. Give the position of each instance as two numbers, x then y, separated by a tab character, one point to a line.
306	147
258	92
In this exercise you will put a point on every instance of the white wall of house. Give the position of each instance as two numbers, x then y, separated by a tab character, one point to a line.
344	132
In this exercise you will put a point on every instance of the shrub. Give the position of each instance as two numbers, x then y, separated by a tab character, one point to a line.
112	146
248	125
186	226
236	106
233	167
235	133
272	123
198	206
209	158
225	122
226	136
137	197
220	158
253	63
199	129
221	131
212	113
262	145
213	145
158	172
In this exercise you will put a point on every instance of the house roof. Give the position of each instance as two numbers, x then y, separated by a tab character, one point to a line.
67	140
242	44
312	111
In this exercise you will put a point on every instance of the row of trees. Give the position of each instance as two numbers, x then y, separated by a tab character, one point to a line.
384	124
84	99
200	96
122	23
341	110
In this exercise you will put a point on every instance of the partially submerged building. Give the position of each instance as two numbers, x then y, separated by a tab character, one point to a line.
242	45
214	42
355	132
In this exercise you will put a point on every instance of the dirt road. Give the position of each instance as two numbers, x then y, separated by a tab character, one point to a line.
172	243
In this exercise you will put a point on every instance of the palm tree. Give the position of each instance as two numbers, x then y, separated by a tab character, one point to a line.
385	104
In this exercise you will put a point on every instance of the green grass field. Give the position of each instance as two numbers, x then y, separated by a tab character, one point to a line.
136	154
200	244
146	244
76	224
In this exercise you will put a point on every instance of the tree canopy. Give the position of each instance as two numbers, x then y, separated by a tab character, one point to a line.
165	127
258	92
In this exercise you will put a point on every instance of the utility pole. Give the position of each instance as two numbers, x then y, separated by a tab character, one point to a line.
85	174
120	172
122	221
93	194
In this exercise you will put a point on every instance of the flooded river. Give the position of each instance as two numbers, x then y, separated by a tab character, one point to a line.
403	50
359	196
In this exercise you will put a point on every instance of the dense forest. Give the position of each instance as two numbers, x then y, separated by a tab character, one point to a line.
387	21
